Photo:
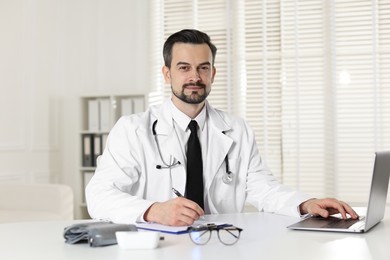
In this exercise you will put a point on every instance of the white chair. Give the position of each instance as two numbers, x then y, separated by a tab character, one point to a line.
35	202
250	208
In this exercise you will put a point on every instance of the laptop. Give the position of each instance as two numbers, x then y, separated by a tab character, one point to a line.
375	210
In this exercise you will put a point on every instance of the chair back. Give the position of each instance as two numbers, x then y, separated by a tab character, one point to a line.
35	202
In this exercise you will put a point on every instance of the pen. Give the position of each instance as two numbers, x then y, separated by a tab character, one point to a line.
177	193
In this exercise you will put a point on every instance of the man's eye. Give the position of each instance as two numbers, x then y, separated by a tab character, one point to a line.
184	68
204	68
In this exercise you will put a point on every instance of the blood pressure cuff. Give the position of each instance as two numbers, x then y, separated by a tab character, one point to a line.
95	233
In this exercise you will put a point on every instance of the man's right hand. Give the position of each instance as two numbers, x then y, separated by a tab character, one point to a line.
175	212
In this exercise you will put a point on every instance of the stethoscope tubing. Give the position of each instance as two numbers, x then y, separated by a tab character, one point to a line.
227	178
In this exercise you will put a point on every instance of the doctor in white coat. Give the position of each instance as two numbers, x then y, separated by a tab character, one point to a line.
145	154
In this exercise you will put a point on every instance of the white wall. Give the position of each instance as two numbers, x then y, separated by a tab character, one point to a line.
51	52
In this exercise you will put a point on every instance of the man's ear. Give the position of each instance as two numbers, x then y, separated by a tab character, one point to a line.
214	72
167	74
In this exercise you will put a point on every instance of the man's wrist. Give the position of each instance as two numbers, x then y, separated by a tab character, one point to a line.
303	210
148	215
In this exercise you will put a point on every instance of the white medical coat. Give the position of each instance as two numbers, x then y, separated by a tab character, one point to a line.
126	182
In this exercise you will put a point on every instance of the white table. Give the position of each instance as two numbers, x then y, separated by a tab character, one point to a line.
265	236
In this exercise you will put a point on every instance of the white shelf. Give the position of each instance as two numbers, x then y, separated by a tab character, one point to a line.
98	115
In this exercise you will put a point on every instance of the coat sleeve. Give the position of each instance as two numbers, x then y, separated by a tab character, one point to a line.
115	191
264	191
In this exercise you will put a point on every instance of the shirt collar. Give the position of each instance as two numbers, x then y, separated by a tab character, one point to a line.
182	120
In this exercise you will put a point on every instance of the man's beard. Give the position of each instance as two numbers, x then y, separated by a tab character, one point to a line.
194	97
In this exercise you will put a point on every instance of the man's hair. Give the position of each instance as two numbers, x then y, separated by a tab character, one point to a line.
186	36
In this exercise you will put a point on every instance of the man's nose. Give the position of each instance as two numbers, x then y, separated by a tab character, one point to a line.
195	76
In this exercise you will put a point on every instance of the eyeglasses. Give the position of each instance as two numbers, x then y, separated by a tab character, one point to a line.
227	235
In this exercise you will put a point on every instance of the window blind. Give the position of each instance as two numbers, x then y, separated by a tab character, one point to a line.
307	134
359	32
257	68
311	77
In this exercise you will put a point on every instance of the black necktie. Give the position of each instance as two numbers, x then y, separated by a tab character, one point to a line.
194	185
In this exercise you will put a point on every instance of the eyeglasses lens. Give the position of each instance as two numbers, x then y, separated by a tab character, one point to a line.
229	236
200	237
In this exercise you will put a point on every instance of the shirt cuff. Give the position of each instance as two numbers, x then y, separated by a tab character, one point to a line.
140	218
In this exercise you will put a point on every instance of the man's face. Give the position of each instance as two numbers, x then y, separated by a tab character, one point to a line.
191	73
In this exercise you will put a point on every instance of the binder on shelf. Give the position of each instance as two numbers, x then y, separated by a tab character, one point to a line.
126	106
93	115
104	115
87	146
97	148
138	105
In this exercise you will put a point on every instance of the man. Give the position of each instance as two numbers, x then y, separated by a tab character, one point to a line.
147	163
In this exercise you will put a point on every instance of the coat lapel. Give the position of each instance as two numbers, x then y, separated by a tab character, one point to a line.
218	144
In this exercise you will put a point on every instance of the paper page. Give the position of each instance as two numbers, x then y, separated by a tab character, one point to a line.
176	230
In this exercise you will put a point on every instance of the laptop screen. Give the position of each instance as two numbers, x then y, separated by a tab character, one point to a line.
379	188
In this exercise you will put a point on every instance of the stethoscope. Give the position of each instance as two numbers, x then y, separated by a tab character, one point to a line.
226	178
166	165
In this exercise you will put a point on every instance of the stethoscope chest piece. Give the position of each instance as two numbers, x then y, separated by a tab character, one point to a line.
227	177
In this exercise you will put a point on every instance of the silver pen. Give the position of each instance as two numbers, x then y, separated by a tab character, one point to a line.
177	193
